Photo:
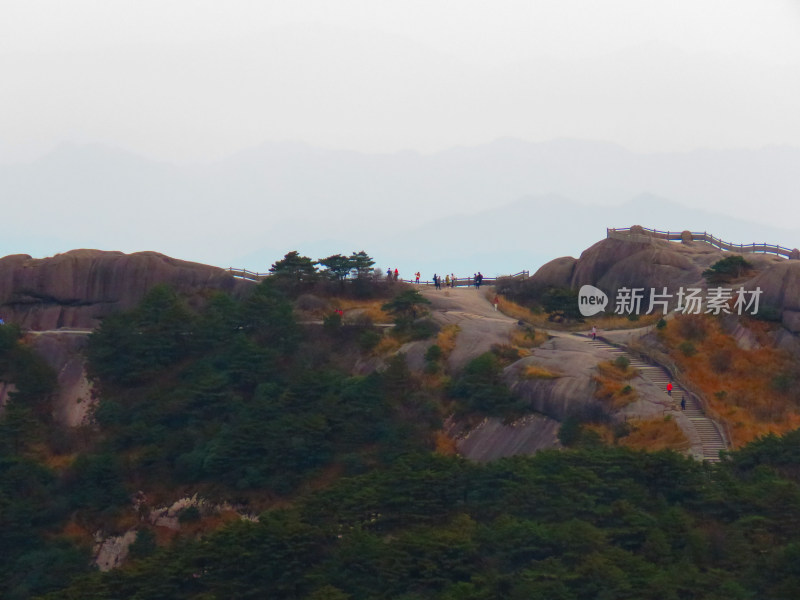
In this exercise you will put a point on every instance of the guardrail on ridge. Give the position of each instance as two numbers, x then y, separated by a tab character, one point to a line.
638	233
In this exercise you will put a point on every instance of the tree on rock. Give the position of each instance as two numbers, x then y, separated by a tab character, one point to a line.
295	268
406	305
362	263
337	266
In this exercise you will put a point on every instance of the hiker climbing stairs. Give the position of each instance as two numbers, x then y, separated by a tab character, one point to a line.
707	430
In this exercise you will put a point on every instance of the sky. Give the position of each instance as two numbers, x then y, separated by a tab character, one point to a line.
189	81
183	109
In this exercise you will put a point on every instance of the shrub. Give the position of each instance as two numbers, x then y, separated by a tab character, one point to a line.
144	545
481	389
726	269
570	431
720	360
661	324
692	327
332	322
434	354
422	329
769	314
190	514
507	354
687	348
622	363
368	339
782	382
626	390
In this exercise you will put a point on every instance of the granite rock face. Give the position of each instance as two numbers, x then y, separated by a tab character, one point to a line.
77	289
780	289
652	263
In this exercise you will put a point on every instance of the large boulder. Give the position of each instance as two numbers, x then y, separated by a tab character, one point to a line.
641	262
780	289
78	288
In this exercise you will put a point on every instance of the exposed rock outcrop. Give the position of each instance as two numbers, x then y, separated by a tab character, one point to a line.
613	263
63	351
780	289
494	439
78	288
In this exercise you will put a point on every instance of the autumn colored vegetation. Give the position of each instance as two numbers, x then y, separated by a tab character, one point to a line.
752	390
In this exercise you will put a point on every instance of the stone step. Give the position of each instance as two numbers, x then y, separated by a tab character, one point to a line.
709	435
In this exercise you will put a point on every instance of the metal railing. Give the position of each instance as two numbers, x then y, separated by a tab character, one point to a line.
661	359
245	274
643	234
460	281
470	281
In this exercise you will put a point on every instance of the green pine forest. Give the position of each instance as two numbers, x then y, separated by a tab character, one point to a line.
236	401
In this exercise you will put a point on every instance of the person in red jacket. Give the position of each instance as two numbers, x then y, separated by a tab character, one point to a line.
669	389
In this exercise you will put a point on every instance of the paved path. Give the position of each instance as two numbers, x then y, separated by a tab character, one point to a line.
707	430
480	326
61	331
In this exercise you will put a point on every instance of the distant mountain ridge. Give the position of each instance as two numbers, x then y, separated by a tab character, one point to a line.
260	203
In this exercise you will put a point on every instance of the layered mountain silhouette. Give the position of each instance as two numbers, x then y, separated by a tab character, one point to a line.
497	207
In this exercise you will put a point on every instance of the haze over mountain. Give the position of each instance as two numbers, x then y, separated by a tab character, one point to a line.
498	207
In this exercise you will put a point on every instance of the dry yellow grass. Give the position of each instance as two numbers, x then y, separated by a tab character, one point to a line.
610	322
540	320
445	445
742	394
388	345
528	339
654	435
650	435
446	339
371	308
612	384
537	372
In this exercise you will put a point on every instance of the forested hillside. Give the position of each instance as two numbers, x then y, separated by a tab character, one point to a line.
318	483
590	523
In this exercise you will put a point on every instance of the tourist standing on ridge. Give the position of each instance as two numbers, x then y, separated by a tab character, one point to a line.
389	273
396	274
435	281
447	281
452	280
479	280
417	276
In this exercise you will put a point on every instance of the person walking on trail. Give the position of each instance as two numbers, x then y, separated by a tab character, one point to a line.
683	403
417	276
447	281
669	389
436	281
479	280
452	280
475	280
495	302
594	332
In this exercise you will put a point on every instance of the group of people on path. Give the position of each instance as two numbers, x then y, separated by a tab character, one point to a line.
393	275
449	281
452	281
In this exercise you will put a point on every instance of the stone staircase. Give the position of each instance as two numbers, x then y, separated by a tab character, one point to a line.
707	430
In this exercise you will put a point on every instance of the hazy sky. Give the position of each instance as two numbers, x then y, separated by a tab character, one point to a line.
196	80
